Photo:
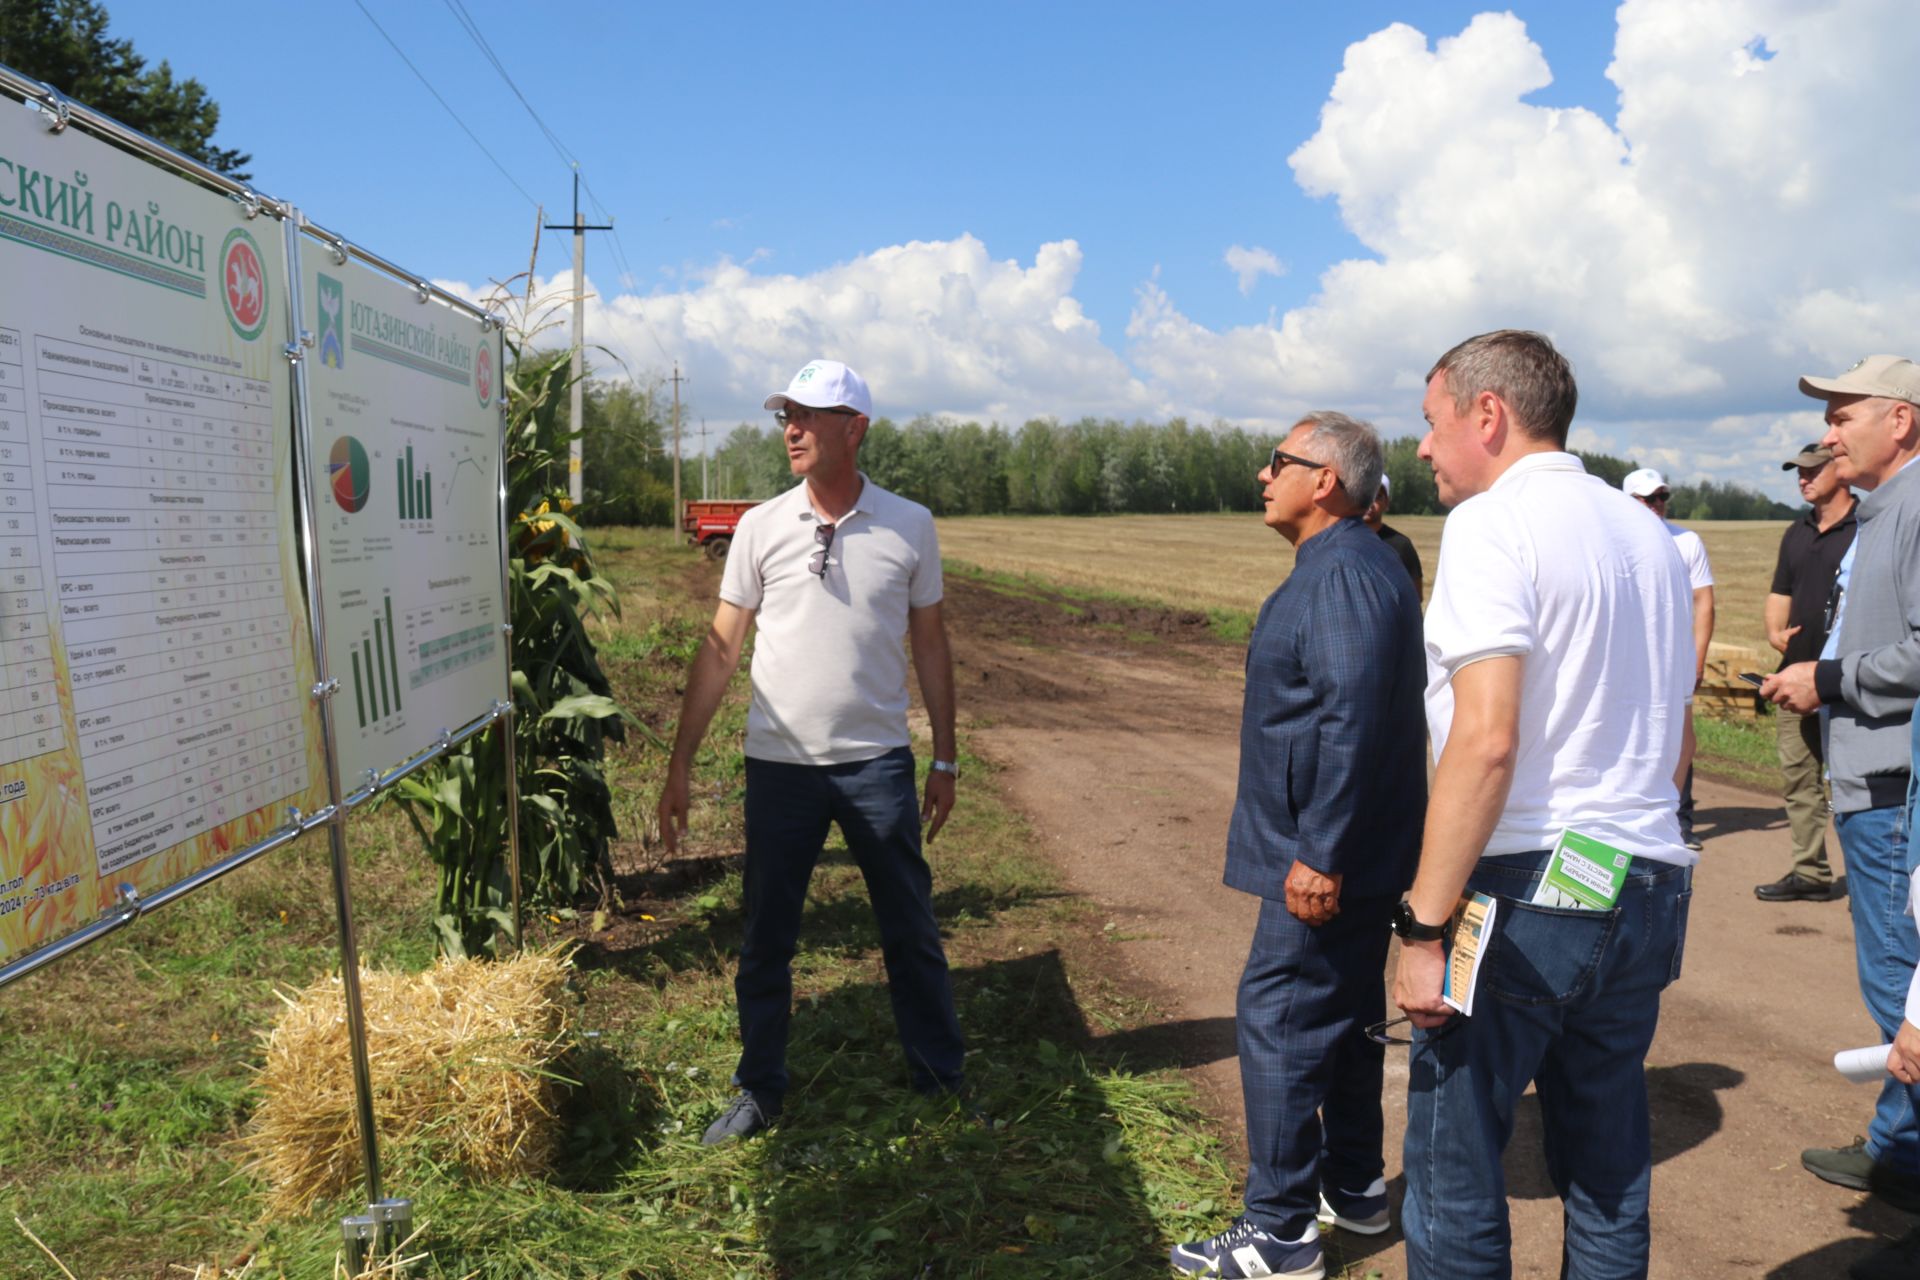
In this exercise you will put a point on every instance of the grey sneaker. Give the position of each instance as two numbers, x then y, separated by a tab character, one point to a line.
1848	1166
744	1117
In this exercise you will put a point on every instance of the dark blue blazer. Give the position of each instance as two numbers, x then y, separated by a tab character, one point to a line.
1333	737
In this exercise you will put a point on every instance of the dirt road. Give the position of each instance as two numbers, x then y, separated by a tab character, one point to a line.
1117	731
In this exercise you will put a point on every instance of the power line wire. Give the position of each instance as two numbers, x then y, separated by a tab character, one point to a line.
443	102
473	31
560	148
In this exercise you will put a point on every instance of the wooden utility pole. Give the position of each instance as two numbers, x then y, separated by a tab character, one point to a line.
677	380
703	459
579	230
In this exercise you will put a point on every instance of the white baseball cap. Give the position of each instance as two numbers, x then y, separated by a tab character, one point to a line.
1385	486
1646	480
825	384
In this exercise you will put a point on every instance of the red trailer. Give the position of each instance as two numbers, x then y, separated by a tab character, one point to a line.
710	522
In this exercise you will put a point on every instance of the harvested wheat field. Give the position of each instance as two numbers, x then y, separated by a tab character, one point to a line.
1231	562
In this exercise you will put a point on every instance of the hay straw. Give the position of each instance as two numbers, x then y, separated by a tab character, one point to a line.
461	1059
43	1247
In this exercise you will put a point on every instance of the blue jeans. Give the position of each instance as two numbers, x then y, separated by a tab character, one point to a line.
1310	1076
789	808
1885	949
1568	1000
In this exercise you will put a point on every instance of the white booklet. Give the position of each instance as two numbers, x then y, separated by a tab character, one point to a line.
1467	941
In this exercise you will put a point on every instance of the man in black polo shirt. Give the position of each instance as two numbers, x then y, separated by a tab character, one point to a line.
1402	545
1797	616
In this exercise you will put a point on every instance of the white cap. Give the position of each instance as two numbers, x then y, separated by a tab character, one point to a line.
1384	486
825	384
1646	480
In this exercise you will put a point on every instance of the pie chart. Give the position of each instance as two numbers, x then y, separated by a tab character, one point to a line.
348	471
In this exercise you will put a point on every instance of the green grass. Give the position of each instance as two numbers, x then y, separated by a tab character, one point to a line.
1741	751
128	1074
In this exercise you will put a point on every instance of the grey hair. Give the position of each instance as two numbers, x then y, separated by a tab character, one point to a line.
1352	448
1523	369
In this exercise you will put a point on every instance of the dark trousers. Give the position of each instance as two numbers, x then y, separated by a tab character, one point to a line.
1310	1076
789	808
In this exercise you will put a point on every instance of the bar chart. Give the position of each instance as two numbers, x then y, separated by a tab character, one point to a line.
415	488
376	669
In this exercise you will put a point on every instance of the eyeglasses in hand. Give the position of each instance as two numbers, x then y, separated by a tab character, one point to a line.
1378	1031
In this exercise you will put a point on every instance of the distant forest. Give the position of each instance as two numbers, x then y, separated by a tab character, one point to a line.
1089	467
1098	467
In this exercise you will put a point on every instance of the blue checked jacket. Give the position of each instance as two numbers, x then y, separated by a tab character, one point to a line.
1333	735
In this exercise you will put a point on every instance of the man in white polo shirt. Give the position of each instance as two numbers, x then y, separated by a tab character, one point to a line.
1559	658
836	572
1649	488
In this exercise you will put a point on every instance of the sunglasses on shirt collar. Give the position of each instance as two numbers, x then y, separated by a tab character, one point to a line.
822	534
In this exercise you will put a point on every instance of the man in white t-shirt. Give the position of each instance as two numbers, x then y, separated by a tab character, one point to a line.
1649	488
1558	665
837	573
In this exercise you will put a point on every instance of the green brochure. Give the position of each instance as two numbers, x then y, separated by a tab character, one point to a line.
1583	872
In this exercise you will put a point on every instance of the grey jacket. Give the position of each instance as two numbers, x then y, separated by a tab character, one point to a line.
1870	687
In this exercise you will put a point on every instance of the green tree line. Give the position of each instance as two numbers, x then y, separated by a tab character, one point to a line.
1100	466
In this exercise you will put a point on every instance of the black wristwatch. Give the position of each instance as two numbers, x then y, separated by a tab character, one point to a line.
1409	927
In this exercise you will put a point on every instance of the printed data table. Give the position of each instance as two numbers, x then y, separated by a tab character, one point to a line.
167	568
29	694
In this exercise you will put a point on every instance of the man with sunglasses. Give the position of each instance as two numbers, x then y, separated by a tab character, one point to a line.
1797	613
1559	657
1325	828
1649	488
835	573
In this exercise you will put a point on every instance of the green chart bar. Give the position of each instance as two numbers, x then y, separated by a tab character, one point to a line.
393	661
380	647
413	490
359	702
373	706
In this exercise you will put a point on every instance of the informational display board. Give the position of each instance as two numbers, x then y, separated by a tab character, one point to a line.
155	662
406	436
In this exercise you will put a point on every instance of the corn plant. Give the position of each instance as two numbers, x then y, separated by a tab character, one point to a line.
564	714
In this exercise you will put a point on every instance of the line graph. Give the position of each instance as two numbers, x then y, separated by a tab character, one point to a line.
460	465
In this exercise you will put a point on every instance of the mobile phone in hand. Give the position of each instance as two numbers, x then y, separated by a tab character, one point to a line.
1753	678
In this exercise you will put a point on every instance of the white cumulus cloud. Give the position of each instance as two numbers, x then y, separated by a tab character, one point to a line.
1744	219
1250	264
1746	216
933	326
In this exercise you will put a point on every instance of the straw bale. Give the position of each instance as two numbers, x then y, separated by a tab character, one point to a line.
461	1058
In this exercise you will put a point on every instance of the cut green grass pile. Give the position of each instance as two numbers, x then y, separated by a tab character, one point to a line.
128	1074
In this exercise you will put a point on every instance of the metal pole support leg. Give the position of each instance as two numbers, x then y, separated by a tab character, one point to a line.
357	1233
392	1225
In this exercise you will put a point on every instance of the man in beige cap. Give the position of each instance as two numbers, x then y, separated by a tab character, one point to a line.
1796	616
1865	681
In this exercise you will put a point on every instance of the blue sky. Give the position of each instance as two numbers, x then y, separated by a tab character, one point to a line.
1004	210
